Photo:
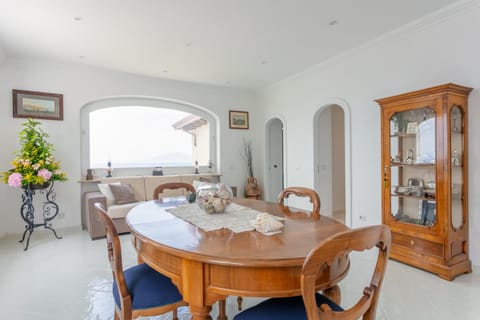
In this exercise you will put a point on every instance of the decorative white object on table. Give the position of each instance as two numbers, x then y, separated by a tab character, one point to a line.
267	224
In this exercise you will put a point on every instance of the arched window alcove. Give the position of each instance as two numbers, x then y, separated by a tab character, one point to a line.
137	134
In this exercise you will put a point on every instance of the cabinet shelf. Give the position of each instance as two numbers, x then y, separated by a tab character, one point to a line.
399	195
403	135
416	164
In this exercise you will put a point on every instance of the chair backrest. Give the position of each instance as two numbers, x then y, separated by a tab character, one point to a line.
327	253
114	252
172	186
302	192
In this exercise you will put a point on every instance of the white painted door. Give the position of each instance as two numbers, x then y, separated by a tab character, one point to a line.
275	158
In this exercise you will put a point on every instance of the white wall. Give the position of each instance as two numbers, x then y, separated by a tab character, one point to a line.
2	55
81	84
431	52
200	152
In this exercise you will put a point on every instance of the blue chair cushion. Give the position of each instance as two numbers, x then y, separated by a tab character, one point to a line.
148	288
283	309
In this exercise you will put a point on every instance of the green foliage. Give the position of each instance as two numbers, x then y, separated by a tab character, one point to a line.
34	162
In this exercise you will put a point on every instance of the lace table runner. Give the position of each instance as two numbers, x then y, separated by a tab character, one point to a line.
236	218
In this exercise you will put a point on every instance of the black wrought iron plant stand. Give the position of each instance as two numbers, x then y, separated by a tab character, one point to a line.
27	210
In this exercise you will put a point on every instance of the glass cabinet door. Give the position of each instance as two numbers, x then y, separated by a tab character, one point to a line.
456	156
412	167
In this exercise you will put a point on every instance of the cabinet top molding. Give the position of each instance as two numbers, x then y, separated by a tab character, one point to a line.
432	91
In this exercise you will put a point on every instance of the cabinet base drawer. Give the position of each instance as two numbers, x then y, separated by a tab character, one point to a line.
418	245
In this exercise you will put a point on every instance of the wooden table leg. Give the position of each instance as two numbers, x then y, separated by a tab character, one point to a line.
200	313
333	294
193	289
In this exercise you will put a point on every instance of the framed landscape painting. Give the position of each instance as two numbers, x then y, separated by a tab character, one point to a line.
40	105
238	119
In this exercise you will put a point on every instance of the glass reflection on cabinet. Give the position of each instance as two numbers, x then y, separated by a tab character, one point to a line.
456	156
412	167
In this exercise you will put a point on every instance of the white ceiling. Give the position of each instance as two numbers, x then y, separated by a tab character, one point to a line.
237	43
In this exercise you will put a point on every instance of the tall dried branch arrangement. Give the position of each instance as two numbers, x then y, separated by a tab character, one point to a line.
247	149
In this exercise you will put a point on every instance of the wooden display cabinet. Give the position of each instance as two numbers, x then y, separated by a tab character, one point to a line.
424	178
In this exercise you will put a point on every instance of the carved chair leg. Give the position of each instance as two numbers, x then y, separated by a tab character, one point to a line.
333	294
174	314
239	303
222	313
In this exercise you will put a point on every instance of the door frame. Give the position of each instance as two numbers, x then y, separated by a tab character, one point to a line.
348	156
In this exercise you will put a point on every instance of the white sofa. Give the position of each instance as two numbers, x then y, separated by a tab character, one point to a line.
143	187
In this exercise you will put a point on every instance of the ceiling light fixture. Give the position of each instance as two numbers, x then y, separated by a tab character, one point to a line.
332	23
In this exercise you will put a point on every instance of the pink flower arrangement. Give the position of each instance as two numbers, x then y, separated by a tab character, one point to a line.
15	180
34	163
45	174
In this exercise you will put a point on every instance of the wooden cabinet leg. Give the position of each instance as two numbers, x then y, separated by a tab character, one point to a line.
333	294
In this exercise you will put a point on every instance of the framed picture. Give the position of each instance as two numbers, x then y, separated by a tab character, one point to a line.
412	127
40	105
238	119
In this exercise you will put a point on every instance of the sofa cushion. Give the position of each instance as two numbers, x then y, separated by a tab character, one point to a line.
122	193
118	211
151	182
107	192
137	184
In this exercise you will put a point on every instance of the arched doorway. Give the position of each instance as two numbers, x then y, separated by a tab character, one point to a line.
332	161
275	158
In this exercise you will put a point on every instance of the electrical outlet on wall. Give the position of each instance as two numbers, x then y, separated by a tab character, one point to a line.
363	218
61	215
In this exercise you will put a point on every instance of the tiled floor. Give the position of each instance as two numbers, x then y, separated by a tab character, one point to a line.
70	279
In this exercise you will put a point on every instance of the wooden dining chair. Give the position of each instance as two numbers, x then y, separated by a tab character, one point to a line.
139	291
301	192
172	186
312	305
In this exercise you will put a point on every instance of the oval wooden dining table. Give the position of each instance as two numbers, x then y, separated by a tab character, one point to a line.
209	266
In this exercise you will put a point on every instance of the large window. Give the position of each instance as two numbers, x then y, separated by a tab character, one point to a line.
132	136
